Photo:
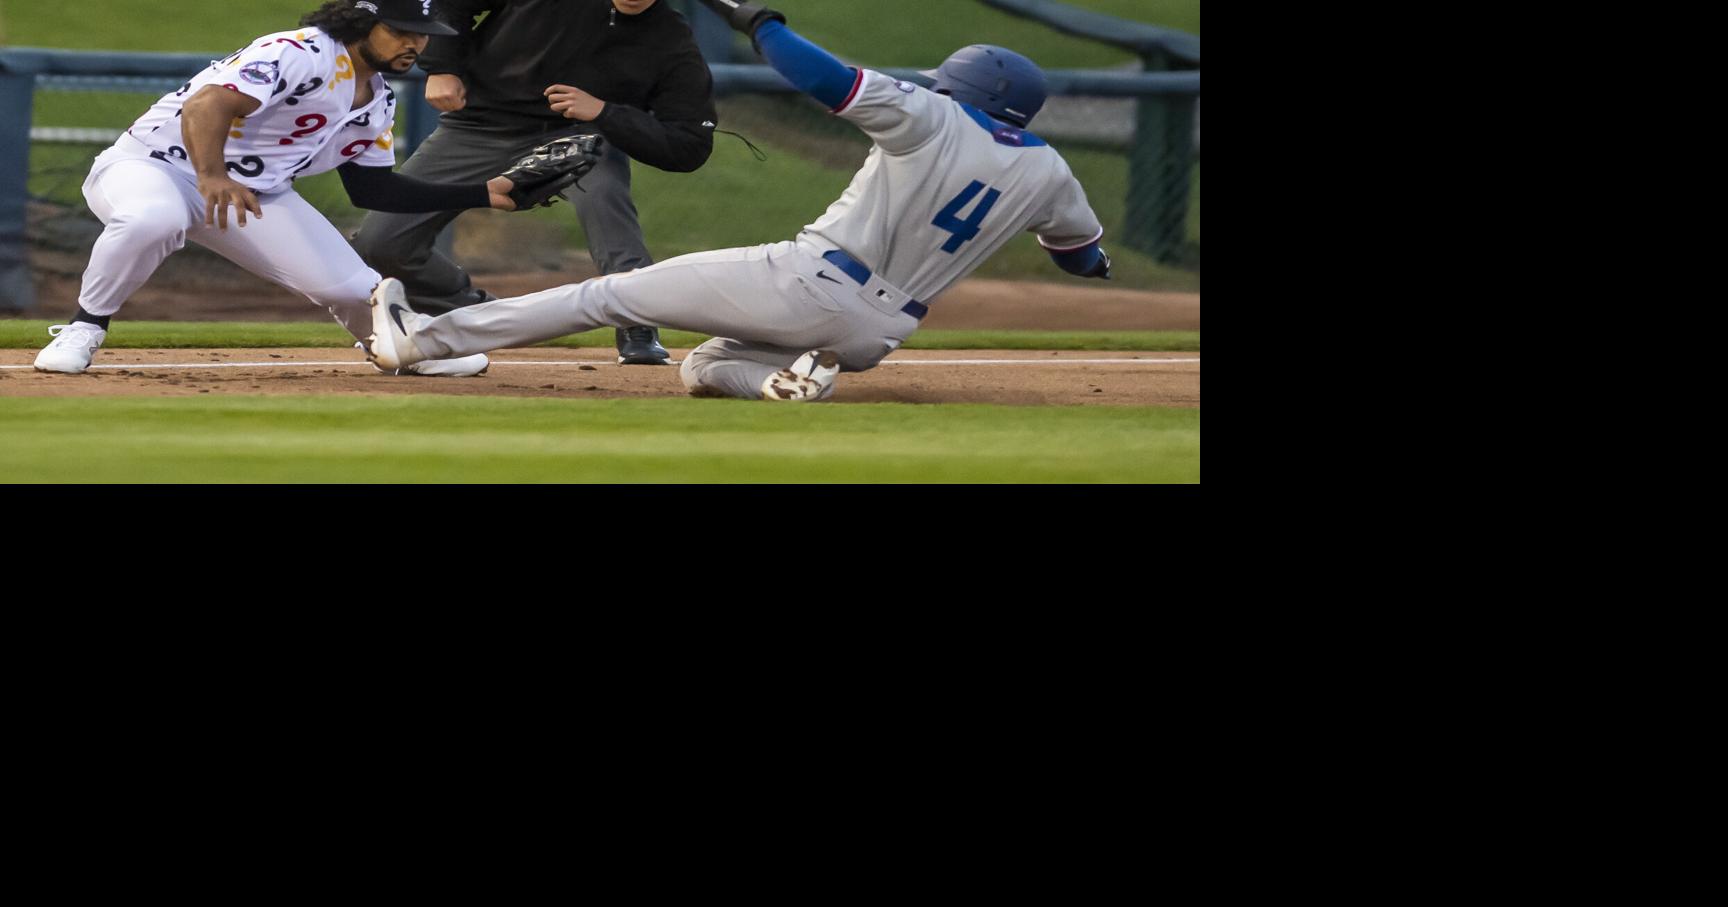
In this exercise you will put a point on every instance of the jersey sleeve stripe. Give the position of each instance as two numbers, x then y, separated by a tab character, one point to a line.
1050	248
853	95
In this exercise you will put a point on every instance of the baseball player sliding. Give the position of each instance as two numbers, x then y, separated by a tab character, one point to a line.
953	176
288	104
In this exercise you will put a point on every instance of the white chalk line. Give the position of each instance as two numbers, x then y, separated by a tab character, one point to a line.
578	362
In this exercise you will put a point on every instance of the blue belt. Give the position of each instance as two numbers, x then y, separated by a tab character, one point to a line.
855	270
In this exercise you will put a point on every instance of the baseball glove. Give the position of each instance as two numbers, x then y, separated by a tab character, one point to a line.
552	168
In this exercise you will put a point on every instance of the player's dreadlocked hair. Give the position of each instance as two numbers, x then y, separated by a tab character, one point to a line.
340	20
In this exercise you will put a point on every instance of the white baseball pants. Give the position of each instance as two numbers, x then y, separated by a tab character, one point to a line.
765	306
151	209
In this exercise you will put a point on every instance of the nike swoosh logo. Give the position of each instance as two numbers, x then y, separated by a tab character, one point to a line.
824	276
396	313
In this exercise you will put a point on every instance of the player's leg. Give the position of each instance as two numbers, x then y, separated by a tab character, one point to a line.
615	242
757	294
724	367
146	211
293	245
403	245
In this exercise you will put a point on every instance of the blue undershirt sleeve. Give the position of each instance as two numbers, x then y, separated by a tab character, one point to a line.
809	68
1077	261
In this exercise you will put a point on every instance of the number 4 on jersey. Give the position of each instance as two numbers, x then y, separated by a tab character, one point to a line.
965	230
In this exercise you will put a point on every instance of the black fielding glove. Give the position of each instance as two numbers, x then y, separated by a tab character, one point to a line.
744	17
552	168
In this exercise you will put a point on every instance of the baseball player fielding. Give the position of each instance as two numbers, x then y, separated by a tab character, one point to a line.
215	161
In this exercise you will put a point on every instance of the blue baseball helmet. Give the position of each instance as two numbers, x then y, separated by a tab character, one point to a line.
995	80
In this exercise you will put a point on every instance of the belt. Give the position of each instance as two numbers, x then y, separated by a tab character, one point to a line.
856	270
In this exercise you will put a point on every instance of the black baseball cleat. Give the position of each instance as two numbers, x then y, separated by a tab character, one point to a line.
640	346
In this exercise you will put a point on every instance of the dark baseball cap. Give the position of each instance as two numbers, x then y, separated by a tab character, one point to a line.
417	16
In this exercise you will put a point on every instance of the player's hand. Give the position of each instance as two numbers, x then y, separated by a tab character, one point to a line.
499	188
574	103
219	192
446	92
1101	269
743	15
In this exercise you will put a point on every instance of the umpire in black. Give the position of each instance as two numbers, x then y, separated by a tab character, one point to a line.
529	72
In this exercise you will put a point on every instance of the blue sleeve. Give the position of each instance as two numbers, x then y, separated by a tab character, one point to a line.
809	68
1079	261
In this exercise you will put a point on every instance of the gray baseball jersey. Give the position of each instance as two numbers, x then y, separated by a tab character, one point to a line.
944	188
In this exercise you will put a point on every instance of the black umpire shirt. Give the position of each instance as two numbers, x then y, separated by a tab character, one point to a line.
658	92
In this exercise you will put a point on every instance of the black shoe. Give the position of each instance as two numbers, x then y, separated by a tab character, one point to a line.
641	346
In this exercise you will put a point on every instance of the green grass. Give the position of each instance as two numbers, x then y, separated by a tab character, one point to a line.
921	33
733	200
410	439
881	32
30	334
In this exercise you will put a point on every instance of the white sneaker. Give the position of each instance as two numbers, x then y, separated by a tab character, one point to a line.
391	347
71	349
809	378
465	367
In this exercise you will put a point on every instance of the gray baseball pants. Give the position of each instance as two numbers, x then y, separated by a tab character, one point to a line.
764	305
401	245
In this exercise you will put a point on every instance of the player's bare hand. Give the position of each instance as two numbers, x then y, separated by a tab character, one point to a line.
219	193
574	103
498	188
446	92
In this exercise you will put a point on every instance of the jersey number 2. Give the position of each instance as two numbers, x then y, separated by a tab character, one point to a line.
965	230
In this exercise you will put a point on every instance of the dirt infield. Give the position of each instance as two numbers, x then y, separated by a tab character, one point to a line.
1023	378
1015	377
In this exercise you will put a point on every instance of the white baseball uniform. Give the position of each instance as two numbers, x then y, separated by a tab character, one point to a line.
944	187
145	191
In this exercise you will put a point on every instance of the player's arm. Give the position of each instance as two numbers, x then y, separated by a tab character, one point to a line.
808	67
446	56
383	189
1070	232
899	117
536	180
676	133
1089	260
204	121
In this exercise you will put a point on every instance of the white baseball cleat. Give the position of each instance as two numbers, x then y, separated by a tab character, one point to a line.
391	346
809	378
71	349
464	367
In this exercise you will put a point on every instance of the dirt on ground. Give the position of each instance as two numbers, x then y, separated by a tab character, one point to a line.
1017	377
910	376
